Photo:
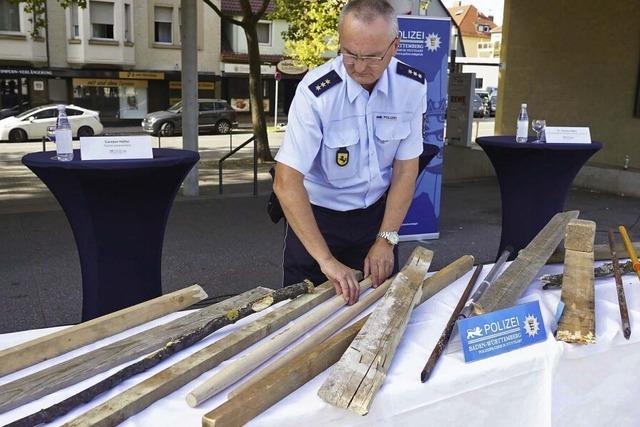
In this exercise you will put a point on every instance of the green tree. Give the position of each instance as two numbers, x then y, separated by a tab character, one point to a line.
37	11
248	23
313	28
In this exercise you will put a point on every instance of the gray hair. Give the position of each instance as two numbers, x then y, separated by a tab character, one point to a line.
368	10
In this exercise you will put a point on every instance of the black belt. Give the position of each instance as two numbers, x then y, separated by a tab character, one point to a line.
360	211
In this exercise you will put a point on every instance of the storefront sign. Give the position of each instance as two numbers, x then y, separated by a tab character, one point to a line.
244	69
244	104
25	72
288	66
115	147
144	75
38	85
110	83
501	331
201	85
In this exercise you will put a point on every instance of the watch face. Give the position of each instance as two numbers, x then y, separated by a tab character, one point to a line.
393	238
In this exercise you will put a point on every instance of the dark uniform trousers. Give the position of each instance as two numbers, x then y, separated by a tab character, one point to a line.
348	234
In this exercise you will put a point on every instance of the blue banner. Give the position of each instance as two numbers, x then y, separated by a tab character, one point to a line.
501	331
424	44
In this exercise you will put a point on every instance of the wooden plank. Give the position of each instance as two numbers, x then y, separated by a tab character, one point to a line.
271	345
362	369
317	338
44	348
578	324
143	394
270	389
601	252
72	371
511	284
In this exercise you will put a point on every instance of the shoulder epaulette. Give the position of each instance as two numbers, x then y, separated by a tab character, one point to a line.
412	73
325	83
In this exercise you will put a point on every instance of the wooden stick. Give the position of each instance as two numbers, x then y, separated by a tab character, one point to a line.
143	394
49	346
172	347
600	252
630	249
251	402
446	334
578	322
72	371
355	380
508	288
554	281
266	349
622	301
317	338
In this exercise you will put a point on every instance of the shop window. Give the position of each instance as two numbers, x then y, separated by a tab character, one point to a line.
9	16
264	32
101	19
163	24
75	26
127	23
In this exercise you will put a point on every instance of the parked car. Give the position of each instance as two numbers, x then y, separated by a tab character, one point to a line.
214	115
478	107
493	103
485	97
33	123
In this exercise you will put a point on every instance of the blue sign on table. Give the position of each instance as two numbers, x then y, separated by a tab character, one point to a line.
501	331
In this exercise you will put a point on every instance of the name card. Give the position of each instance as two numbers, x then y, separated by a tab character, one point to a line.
501	331
567	135
116	147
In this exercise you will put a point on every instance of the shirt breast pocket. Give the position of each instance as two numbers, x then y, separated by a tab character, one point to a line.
340	154
389	134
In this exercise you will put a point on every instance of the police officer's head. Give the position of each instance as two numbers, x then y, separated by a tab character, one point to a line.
368	39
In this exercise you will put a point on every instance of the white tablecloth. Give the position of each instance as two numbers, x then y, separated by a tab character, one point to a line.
547	384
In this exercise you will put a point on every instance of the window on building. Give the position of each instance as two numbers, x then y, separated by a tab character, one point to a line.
264	32
163	24
479	82
127	23
9	16
75	26
101	19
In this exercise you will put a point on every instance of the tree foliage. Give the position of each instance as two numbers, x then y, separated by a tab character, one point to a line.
37	10
313	28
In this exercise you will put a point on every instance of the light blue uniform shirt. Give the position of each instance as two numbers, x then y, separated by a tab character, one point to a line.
341	116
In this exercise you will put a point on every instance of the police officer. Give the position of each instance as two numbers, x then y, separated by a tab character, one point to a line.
347	167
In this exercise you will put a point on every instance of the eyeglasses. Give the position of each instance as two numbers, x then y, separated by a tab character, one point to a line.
351	59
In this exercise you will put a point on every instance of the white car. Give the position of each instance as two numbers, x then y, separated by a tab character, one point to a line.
33	123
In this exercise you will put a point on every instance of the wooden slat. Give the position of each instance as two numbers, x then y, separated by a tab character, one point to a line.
577	324
511	284
53	345
79	368
138	397
362	369
270	389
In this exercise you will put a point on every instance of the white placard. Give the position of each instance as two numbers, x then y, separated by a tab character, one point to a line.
116	147
567	135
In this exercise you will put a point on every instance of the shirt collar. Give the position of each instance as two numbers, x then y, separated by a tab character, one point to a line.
354	88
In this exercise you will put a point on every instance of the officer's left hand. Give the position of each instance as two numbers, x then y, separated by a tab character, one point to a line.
379	262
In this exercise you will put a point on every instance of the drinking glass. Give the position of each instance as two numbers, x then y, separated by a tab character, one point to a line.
538	126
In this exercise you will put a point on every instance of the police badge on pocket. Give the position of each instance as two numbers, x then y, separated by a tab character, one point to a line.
342	157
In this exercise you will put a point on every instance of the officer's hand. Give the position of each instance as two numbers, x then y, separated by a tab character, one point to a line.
343	278
379	262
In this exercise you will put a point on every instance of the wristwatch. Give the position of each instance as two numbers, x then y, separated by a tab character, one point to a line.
390	236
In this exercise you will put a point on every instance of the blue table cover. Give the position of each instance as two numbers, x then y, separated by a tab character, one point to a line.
118	211
534	181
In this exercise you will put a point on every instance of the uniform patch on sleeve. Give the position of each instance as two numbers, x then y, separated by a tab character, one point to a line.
325	83
412	73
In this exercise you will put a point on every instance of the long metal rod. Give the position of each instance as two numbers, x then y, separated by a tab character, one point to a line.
446	334
622	301
488	280
231	153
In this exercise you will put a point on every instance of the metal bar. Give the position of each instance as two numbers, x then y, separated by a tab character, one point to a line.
622	301
231	153
255	169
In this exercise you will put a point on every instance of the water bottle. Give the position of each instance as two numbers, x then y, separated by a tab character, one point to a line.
64	142
523	124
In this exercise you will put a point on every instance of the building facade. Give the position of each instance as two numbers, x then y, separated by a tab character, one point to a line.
119	57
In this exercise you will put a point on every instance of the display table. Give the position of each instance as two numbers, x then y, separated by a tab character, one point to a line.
548	384
118	211
534	181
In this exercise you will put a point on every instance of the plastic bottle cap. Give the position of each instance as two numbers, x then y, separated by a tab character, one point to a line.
523	105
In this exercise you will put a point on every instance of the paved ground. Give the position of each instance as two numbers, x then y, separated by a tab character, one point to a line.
224	243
